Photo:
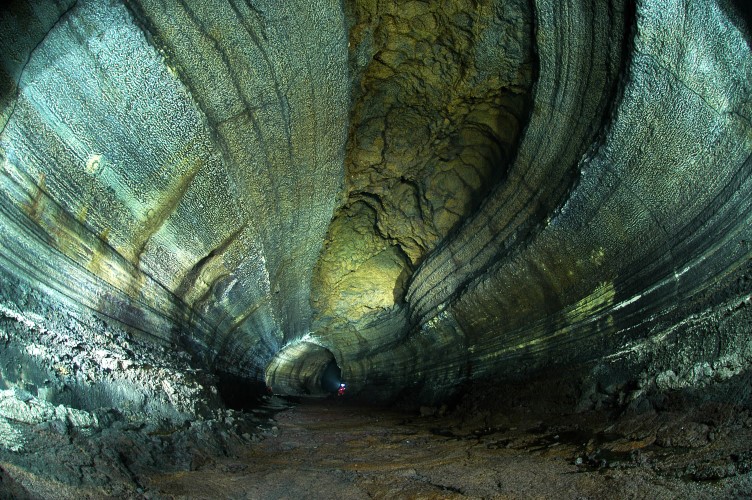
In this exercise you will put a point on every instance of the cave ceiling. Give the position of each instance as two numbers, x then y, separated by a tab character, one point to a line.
425	192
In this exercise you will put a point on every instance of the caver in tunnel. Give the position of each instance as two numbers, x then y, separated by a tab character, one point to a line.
430	202
318	374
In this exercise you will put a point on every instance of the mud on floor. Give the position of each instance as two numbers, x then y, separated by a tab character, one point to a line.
329	449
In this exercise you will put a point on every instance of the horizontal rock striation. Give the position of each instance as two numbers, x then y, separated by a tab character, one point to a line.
658	214
580	50
440	94
424	193
174	167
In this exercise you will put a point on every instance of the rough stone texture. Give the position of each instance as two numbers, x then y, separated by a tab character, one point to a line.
104	454
68	357
87	409
439	95
658	212
162	159
23	27
433	194
308	377
580	52
326	450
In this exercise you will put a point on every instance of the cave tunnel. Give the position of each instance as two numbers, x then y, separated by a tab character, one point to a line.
519	231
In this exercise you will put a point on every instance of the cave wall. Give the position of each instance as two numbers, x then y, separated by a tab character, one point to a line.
653	210
174	168
428	193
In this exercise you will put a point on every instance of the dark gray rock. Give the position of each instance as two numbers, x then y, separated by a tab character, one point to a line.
428	194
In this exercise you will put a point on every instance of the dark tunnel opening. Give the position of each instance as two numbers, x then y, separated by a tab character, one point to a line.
331	378
240	393
517	232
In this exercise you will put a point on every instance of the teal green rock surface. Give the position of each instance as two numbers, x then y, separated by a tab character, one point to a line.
202	201
176	170
429	194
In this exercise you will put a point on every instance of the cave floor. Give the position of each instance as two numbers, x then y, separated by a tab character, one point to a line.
331	449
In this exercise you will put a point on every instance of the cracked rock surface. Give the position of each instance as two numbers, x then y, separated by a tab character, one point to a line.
419	199
485	448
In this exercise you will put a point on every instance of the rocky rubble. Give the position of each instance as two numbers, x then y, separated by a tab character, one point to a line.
86	407
59	452
64	355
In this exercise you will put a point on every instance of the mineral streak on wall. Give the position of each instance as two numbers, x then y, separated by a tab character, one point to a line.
175	166
425	192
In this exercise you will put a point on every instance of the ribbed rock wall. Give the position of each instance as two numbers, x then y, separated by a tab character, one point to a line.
428	193
174	167
640	218
440	93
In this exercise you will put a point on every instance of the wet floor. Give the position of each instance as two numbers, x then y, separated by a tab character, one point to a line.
328	449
